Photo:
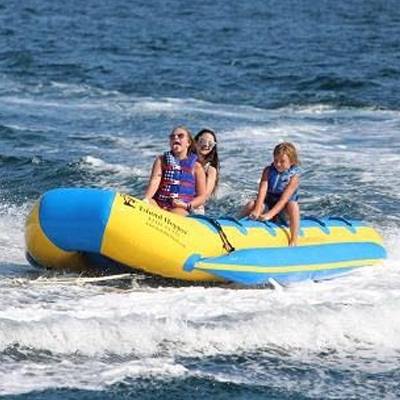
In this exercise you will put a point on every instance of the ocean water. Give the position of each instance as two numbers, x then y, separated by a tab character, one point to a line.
89	92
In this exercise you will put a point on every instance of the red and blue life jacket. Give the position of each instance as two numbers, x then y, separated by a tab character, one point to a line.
177	180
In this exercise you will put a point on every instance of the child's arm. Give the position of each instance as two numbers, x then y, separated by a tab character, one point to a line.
285	197
201	194
155	179
262	192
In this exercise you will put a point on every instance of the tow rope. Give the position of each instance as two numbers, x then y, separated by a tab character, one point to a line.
225	241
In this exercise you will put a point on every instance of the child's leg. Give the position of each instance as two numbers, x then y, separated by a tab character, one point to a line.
293	212
247	209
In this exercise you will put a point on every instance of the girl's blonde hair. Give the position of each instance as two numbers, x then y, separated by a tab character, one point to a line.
289	149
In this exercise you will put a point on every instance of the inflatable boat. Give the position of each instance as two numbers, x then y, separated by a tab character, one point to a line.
97	231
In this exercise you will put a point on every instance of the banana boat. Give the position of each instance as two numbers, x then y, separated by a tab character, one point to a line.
98	231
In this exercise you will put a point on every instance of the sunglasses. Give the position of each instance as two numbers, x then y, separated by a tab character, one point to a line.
177	136
207	143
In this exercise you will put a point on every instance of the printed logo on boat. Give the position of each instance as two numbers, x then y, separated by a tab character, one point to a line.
157	219
129	201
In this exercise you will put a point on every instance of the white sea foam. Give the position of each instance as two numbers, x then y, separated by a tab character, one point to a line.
91	375
100	165
358	311
11	233
189	106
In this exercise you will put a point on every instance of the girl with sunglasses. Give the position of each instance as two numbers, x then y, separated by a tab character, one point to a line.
177	182
206	147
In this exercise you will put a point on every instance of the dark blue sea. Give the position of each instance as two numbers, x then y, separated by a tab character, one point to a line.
90	90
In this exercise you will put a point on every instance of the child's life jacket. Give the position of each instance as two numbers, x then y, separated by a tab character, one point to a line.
278	181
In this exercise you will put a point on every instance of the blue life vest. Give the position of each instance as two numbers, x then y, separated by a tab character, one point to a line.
278	181
177	181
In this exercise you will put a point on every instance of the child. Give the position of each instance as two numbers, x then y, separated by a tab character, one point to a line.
278	190
206	147
177	181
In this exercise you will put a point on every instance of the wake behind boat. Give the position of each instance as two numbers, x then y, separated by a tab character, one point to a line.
97	231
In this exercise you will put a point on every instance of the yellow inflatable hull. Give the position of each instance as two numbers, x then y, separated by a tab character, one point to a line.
70	229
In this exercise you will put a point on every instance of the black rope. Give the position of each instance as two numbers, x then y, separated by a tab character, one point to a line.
225	241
